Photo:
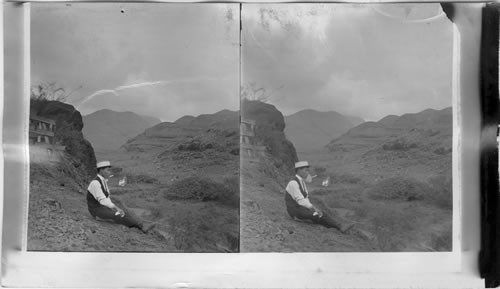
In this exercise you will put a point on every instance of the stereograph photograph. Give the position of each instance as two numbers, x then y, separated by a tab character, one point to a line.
337	136
347	128
134	127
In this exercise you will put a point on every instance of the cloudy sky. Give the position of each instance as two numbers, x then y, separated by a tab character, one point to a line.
171	60
360	60
161	60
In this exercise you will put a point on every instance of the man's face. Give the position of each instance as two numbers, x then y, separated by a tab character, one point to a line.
106	172
303	172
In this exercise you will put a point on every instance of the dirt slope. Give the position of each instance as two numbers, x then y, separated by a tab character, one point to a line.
156	167
392	179
59	219
265	224
399	171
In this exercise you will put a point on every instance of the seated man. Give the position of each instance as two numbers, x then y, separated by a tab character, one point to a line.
298	204
100	205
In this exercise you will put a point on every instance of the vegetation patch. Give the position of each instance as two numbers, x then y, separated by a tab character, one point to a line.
442	241
398	188
204	189
399	144
443	151
156	213
442	191
142	178
392	230
205	230
194	145
345	179
437	191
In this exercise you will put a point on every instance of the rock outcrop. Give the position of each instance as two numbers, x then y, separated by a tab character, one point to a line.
269	132
69	125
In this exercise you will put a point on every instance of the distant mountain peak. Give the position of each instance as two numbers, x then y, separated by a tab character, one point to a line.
224	118
368	134
311	129
108	129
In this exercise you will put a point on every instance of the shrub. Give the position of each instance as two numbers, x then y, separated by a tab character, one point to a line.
201	231
322	192
142	178
442	151
398	188
203	189
116	170
319	170
345	179
230	133
194	145
156	213
442	191
399	145
391	228
442	241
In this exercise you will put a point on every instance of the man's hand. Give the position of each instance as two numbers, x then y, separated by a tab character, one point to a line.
318	212
120	212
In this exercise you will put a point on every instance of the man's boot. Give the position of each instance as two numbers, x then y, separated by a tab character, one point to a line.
333	223
146	227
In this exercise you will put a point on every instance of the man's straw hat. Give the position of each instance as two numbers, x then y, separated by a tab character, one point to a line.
103	164
301	164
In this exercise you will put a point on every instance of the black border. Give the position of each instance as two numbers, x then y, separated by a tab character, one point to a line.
489	256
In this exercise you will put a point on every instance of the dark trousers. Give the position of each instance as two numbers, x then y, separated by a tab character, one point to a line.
107	214
303	213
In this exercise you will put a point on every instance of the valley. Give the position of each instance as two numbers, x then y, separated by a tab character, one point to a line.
183	176
391	178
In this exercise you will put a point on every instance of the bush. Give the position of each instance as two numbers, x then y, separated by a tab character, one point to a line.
194	145
116	170
398	188
345	179
319	170
442	151
399	145
156	213
442	191
202	231
230	133
442	241
391	228
202	189
142	178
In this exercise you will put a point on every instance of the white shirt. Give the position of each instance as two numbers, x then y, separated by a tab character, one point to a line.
96	191
293	190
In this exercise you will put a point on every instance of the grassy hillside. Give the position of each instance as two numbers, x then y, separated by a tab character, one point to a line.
185	181
391	178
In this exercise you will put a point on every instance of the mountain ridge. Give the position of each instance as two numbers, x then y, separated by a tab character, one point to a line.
108	130
429	130
310	129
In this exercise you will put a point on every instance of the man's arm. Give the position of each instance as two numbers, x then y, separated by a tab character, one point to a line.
294	190
96	191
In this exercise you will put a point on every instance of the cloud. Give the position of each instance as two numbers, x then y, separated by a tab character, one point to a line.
169	100
143	53
357	62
